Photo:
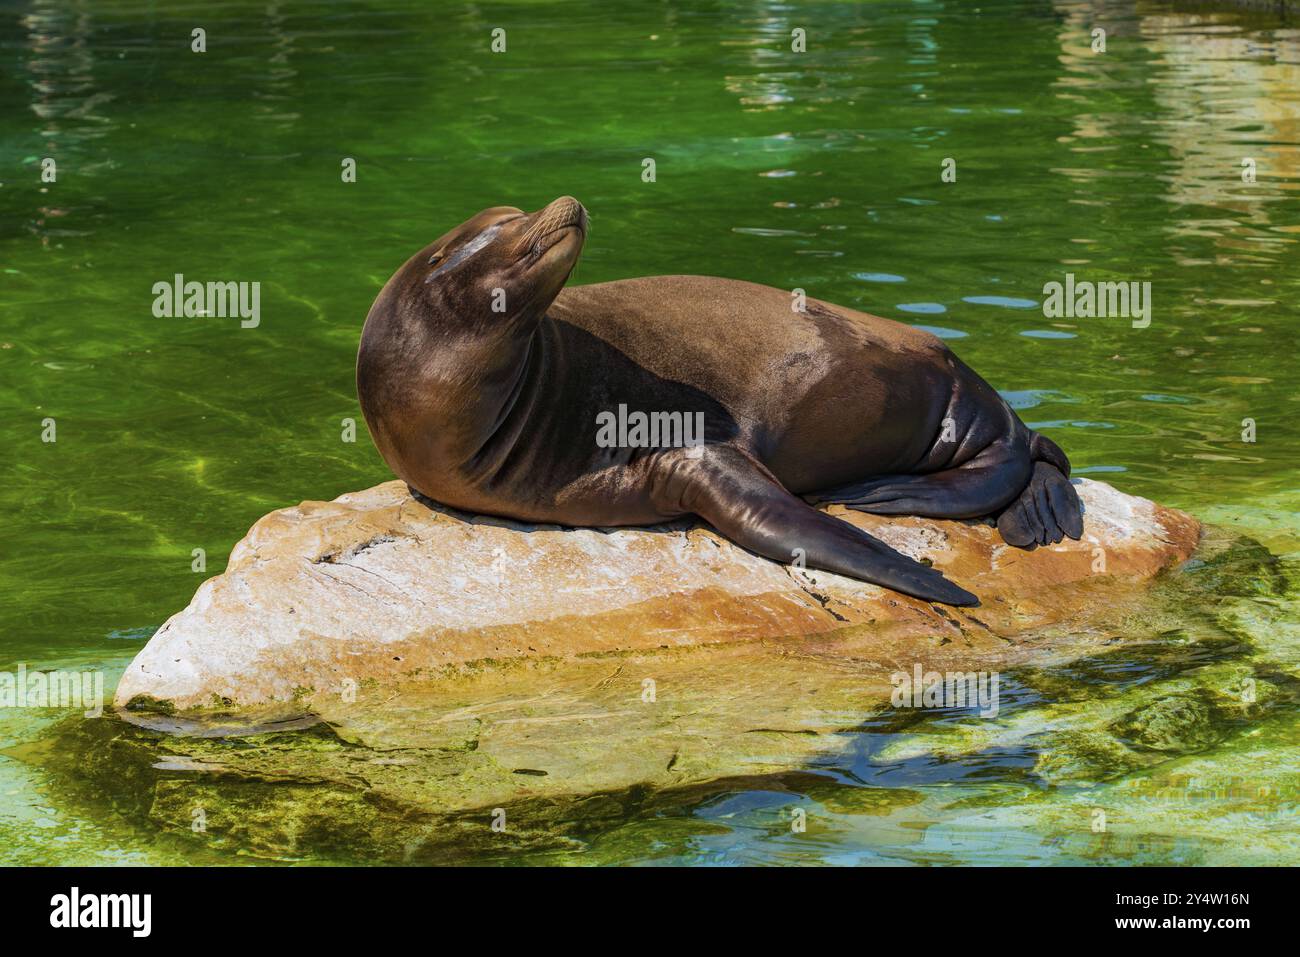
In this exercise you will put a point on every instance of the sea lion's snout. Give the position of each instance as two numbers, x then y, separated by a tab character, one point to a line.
551	242
562	213
561	223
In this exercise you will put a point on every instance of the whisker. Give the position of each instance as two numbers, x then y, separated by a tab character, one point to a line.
531	234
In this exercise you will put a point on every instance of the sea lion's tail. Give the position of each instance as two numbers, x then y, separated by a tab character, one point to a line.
1048	509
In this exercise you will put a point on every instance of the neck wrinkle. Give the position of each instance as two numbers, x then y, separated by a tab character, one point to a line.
501	423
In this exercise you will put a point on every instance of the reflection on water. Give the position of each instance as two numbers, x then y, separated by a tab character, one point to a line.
818	170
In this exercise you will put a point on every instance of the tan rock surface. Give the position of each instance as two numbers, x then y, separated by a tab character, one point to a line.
376	590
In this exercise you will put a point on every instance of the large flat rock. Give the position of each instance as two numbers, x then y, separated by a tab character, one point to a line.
376	590
373	680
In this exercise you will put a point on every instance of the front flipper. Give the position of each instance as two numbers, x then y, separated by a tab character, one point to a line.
742	500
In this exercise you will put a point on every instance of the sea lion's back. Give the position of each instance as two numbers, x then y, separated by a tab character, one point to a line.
740	339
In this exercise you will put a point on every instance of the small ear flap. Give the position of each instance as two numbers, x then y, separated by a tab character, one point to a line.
436	262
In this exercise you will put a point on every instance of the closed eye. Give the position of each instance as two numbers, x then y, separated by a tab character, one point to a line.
465	251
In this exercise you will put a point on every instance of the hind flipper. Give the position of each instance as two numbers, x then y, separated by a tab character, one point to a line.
1046	511
1043	449
954	493
745	502
982	486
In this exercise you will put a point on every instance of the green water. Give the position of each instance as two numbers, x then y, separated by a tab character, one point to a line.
818	170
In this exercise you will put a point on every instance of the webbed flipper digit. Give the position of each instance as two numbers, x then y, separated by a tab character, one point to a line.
1047	511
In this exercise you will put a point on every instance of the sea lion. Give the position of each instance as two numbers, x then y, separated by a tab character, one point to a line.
485	383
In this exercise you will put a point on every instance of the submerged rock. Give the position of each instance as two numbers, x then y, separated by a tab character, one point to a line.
1175	724
379	590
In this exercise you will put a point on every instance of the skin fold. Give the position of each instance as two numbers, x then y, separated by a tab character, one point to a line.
483	379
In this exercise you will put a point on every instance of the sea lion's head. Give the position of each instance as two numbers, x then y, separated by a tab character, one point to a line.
502	262
443	341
